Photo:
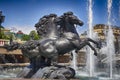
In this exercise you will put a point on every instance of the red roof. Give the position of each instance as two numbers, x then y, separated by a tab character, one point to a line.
19	32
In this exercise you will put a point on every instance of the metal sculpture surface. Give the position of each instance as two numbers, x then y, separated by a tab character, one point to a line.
59	36
53	43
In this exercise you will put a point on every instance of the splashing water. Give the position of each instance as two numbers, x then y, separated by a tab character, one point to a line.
90	61
109	48
74	61
110	40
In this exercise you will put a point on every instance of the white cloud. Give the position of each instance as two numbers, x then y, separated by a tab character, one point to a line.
24	29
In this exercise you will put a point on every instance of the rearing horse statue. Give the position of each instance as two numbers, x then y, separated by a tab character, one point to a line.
67	29
54	44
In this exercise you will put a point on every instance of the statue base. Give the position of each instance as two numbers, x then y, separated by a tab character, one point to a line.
50	72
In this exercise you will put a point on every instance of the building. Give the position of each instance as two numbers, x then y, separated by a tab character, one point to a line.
2	29
100	29
15	56
19	35
4	32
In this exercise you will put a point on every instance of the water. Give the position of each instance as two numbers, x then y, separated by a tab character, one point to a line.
110	40
10	73
90	59
108	49
74	61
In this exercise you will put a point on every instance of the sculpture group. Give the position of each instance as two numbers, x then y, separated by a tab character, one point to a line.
59	36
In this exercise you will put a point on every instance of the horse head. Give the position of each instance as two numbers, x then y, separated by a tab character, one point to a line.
45	24
67	23
70	17
41	29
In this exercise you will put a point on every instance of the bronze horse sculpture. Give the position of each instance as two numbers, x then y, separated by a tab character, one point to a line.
68	30
55	44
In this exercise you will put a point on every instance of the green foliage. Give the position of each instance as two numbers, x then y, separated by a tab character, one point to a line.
2	35
34	34
8	36
25	37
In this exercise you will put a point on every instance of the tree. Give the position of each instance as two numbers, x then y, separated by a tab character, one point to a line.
33	34
25	37
2	35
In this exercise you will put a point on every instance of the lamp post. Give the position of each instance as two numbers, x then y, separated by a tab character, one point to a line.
2	18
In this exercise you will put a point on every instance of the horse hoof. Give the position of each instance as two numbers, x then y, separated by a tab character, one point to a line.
76	51
99	46
95	54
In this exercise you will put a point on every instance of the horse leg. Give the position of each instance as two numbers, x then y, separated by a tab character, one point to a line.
95	52
89	39
48	50
53	55
84	43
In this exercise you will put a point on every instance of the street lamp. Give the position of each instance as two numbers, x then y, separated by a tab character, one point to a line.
2	18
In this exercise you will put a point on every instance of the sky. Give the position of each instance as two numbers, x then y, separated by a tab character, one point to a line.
24	14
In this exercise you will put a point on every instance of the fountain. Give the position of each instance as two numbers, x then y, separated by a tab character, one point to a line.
74	61
43	54
90	55
110	41
108	49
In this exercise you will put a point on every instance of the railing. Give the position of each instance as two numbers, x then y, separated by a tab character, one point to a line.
3	42
14	64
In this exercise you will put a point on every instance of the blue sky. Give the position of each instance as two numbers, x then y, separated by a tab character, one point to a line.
23	14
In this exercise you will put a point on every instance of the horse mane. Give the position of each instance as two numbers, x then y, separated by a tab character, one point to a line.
41	25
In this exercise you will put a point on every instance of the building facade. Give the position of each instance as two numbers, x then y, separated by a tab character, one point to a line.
15	56
101	29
